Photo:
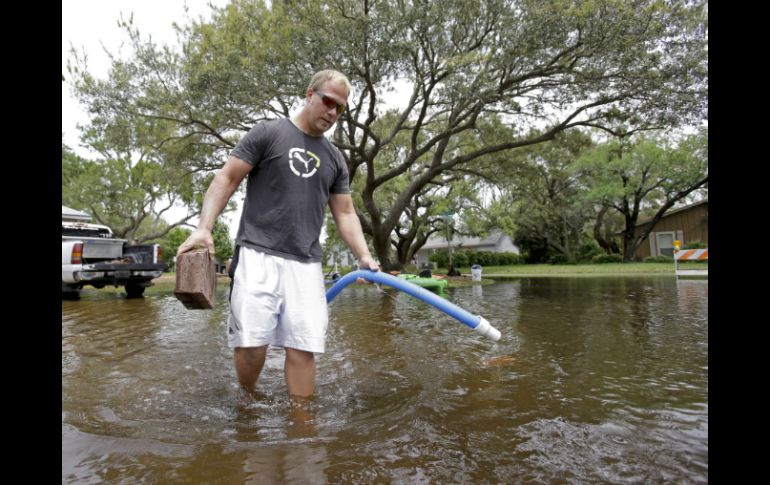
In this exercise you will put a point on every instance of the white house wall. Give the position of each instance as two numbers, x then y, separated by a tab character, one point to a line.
503	245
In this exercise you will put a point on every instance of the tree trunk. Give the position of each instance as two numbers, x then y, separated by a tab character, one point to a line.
382	250
602	238
630	245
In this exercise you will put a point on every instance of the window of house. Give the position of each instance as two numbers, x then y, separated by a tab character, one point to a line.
665	243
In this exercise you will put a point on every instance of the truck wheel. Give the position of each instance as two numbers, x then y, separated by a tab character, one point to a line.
69	293
133	291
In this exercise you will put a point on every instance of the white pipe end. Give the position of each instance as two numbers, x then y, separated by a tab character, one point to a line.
487	330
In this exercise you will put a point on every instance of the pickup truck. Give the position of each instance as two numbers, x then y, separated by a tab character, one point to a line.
90	255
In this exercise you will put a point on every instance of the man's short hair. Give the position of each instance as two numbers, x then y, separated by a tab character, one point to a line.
322	77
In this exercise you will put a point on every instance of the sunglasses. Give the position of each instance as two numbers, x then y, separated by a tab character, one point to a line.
330	103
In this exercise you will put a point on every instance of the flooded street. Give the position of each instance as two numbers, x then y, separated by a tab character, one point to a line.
595	380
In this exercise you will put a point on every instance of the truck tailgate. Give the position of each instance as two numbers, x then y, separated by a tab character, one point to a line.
125	267
96	248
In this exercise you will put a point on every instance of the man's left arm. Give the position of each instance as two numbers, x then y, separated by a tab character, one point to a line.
349	227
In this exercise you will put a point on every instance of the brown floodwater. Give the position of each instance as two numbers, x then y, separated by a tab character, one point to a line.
595	380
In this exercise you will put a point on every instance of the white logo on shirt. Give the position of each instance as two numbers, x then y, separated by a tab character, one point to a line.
301	162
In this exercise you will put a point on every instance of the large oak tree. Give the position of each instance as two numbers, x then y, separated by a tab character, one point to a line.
478	75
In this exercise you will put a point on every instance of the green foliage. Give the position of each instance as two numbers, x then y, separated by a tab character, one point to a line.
130	196
481	75
545	197
223	245
607	258
695	245
557	259
631	175
465	258
588	250
171	242
659	259
441	258
535	247
177	235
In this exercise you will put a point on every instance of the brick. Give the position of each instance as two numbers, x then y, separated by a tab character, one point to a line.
196	280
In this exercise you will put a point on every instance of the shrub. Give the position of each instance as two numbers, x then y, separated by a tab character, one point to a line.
607	258
557	259
659	259
459	259
695	245
589	250
440	258
508	258
465	258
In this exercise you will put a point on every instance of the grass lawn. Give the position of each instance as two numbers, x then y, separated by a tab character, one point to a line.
542	269
572	269
609	269
166	281
584	269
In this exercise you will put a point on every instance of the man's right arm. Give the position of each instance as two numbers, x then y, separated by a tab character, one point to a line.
225	182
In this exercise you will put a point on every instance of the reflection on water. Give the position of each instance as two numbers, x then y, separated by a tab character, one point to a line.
595	380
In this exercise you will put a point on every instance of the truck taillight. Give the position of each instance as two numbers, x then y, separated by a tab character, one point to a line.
158	253
77	254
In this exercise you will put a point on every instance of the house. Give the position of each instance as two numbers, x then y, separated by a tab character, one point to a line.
496	242
685	224
72	215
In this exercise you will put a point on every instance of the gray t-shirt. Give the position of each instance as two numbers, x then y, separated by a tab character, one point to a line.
288	189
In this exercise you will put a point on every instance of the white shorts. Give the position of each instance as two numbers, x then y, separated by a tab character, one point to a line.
277	301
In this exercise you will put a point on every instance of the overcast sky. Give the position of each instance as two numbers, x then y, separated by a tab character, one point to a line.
92	25
87	25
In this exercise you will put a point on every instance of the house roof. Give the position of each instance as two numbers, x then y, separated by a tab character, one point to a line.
70	214
438	242
670	212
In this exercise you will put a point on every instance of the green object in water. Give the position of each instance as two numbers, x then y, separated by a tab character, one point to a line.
432	284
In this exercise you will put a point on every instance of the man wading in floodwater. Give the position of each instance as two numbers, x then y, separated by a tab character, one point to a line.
277	295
